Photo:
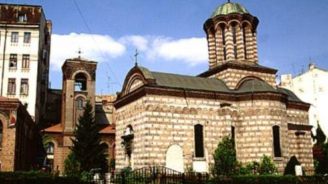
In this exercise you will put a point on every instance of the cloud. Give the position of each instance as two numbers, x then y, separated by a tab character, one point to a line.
93	47
191	51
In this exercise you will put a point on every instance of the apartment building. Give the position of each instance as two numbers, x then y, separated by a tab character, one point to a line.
25	36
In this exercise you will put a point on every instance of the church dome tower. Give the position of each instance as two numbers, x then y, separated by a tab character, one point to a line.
231	35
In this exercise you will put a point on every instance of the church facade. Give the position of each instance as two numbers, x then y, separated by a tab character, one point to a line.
178	120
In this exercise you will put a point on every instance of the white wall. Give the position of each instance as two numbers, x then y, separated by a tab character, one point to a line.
311	87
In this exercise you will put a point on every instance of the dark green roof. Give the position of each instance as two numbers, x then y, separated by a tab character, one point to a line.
169	80
229	8
255	85
291	95
189	82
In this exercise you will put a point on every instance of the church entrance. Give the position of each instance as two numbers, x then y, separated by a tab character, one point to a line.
174	158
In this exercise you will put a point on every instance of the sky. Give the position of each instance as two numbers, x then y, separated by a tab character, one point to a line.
169	35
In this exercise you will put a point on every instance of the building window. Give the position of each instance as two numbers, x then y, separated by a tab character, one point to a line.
11	86
276	141
233	135
27	37
22	18
13	61
26	61
234	38
24	87
79	103
80	82
245	43
223	42
14	37
199	140
50	148
1	133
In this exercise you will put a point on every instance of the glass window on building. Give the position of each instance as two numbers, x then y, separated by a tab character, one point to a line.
27	37
26	61
11	86
14	37
13	61
22	17
24	87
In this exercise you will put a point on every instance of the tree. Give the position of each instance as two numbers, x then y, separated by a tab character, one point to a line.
71	166
87	148
267	166
225	160
320	152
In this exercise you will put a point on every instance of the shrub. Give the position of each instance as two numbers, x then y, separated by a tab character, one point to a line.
225	160
267	166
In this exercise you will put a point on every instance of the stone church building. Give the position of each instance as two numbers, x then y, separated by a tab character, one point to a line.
178	120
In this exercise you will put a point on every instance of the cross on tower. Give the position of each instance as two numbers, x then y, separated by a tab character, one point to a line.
136	57
79	52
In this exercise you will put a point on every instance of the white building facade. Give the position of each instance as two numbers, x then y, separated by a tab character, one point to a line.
312	87
25	37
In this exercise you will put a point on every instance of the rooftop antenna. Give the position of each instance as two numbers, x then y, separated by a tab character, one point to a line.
136	58
79	53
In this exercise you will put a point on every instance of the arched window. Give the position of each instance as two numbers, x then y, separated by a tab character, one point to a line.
79	102
276	141
245	41
199	140
80	82
1	133
233	134
223	41
234	38
50	148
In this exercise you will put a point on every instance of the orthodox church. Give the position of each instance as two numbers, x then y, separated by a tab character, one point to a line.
177	120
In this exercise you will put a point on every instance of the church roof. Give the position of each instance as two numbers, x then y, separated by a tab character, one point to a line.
229	8
189	82
255	85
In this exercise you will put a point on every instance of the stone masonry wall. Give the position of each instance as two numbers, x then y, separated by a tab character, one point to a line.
232	77
7	148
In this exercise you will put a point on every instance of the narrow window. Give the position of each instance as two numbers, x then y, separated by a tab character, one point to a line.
50	148
276	141
233	138
245	41
27	37
79	103
24	87
14	37
80	82
1	133
234	37
13	61
26	61
199	140
223	42
11	86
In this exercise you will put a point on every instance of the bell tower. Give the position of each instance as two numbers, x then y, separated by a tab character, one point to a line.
231	35
79	77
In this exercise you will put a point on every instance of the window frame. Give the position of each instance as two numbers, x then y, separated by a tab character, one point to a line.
22	90
276	141
25	61
11	86
27	39
14	37
199	141
13	60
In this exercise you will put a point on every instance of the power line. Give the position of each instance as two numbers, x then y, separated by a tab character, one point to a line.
90	32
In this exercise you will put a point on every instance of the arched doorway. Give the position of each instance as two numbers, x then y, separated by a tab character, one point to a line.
174	158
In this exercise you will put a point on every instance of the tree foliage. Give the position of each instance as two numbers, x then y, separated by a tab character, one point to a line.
71	166
267	166
225	160
320	152
87	148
